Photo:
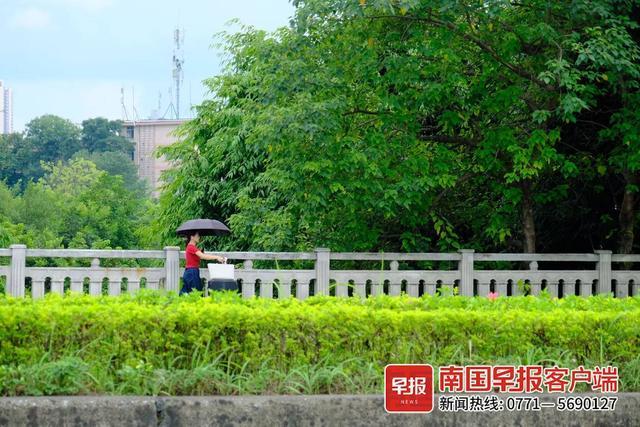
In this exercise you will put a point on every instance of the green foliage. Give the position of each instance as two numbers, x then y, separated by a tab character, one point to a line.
73	178
416	126
65	186
101	135
16	163
151	343
117	163
51	139
74	205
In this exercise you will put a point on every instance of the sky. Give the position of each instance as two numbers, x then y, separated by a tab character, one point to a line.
71	58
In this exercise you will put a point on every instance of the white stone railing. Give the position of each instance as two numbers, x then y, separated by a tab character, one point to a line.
597	276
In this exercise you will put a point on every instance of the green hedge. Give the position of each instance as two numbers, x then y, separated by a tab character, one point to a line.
149	336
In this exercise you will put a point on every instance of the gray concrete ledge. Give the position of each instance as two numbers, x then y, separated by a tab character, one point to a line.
331	410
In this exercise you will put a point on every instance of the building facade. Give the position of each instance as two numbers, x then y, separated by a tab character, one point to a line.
148	136
6	109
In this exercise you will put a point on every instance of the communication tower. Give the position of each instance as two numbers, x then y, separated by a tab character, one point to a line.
178	61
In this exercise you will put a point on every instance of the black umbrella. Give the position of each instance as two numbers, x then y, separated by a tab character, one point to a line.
204	227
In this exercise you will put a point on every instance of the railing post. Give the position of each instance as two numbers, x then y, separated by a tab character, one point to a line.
395	288
604	272
536	287
466	272
18	270
172	268
95	281
322	271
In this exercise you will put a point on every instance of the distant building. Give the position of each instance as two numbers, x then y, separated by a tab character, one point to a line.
148	136
6	109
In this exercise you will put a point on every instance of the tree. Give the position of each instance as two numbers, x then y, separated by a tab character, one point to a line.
413	125
535	68
258	147
18	159
52	138
95	207
74	205
103	135
117	163
7	197
31	218
71	178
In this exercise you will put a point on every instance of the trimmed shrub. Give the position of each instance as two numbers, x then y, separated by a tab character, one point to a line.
165	344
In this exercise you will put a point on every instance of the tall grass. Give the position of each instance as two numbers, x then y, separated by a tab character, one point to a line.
71	375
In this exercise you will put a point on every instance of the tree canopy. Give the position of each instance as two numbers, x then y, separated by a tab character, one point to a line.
75	205
101	135
421	125
63	185
51	138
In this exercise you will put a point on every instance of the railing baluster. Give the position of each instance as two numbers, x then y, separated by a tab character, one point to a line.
302	290
342	290
516	287
552	287
429	288
412	289
57	286
377	288
285	290
76	286
501	288
37	289
114	286
266	289
248	289
133	286
585	288
622	289
395	289
484	288
360	289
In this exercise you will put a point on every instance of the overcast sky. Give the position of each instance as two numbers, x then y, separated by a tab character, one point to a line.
71	57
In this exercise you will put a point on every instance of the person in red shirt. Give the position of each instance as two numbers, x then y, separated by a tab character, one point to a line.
191	278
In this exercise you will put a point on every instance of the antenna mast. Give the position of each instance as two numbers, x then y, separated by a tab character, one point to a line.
178	60
134	112
125	114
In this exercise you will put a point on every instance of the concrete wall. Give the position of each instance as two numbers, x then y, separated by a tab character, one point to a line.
335	410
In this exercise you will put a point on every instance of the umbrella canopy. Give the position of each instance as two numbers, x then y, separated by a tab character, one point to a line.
204	227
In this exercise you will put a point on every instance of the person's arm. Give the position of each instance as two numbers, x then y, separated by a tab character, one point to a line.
204	256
